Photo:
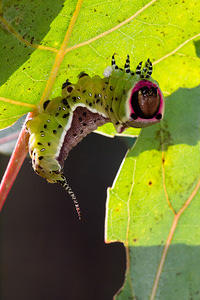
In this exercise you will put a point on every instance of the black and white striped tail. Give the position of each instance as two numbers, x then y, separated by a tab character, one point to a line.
72	195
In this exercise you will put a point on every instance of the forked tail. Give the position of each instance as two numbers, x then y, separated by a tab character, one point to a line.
71	193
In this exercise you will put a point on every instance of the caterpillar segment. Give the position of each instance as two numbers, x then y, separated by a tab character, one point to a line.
123	97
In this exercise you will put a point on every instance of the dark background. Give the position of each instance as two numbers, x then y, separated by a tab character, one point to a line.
46	252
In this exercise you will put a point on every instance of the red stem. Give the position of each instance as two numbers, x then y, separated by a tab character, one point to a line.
15	163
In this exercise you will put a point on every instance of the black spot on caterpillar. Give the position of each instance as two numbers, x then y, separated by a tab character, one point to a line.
123	97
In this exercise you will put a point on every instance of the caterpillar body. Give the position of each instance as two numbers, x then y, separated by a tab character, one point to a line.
125	98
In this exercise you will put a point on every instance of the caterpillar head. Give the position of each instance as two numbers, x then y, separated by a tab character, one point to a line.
144	104
142	101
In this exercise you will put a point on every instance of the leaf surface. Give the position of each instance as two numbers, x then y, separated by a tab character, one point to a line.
153	206
142	31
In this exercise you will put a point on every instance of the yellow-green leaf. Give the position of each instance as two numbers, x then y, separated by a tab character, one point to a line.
153	206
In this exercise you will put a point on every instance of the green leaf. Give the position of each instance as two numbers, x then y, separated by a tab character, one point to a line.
29	69
152	31
158	185
109	130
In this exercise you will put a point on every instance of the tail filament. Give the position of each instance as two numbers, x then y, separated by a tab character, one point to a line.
72	195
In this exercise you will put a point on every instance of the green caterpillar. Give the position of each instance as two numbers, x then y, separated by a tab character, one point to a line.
125	98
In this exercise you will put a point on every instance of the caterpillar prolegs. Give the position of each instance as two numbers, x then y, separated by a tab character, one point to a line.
125	98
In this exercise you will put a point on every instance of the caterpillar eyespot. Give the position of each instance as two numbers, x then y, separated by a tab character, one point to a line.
123	97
